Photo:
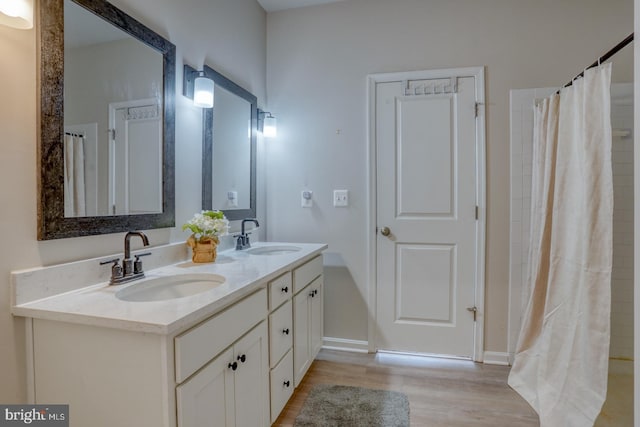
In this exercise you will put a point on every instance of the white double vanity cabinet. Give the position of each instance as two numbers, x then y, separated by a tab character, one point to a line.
229	356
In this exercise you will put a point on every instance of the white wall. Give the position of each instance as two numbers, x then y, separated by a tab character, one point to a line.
318	60
228	34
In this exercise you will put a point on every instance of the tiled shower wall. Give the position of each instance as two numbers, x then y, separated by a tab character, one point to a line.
622	275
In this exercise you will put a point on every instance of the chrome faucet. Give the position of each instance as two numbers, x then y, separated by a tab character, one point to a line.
243	239
127	262
130	269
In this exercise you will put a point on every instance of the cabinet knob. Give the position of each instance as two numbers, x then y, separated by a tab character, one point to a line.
285	331
242	358
285	289
233	366
311	294
286	383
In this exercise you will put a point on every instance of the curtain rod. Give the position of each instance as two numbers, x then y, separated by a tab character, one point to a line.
617	48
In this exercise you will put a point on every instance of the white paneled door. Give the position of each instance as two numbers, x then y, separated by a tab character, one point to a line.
427	198
135	170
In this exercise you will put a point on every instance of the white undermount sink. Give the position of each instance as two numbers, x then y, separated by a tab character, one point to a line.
273	250
169	287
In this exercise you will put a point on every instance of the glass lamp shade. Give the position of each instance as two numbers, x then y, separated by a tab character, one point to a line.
270	128
203	92
17	13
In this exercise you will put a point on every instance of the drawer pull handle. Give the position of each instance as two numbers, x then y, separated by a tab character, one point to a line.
233	366
285	289
286	383
285	331
242	358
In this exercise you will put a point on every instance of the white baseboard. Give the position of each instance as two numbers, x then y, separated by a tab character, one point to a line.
496	358
343	344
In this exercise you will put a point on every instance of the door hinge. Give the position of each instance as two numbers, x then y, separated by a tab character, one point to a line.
477	212
112	134
477	108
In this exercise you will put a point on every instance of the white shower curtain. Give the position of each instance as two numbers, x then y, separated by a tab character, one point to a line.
561	360
74	195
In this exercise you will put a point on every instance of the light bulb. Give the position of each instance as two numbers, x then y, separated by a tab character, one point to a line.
17	13
270	128
203	92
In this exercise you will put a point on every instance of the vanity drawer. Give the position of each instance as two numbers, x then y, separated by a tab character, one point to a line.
281	385
280	290
280	333
203	342
304	274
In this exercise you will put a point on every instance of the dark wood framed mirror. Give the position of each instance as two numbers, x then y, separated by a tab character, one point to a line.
229	137
122	103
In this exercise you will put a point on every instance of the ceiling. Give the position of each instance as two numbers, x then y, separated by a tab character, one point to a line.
275	5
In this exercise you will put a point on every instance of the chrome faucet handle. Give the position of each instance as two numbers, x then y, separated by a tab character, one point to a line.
239	241
137	256
137	263
116	269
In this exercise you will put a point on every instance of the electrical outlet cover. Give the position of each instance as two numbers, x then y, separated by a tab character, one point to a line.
306	200
232	198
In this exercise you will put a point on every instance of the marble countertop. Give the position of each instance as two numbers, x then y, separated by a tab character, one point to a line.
97	304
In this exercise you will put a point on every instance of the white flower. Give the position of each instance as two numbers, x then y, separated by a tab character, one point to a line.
208	224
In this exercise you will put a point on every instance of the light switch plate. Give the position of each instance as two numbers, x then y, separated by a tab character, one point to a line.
340	198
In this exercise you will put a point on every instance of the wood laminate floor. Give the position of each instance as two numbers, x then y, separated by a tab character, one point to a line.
441	392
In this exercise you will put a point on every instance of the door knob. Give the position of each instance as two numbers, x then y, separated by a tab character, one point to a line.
474	310
385	231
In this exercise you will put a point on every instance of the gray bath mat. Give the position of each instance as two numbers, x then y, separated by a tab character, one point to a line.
344	406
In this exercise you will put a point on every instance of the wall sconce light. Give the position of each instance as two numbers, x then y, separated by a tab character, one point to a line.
197	86
17	13
267	124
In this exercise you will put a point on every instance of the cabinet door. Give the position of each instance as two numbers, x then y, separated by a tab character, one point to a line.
252	378
316	322
301	354
207	399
